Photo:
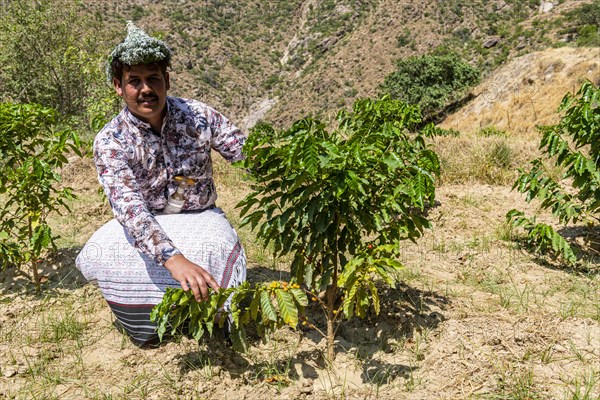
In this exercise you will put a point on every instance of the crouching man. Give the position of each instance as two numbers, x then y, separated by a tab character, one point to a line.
142	157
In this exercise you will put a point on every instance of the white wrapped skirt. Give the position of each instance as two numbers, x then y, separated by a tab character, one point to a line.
133	283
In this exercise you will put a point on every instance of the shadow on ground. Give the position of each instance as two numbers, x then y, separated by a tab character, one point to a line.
404	312
56	271
584	241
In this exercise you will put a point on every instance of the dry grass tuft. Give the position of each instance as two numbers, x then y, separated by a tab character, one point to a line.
491	159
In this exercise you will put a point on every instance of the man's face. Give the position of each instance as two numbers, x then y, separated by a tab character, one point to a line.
144	89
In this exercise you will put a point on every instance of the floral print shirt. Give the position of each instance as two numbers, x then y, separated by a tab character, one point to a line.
136	166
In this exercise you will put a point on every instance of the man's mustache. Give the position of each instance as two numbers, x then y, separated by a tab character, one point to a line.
147	98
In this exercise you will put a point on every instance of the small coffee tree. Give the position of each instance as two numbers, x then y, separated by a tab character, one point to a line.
338	204
32	151
573	147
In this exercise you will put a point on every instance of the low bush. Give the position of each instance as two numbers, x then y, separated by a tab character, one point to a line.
32	151
432	82
573	146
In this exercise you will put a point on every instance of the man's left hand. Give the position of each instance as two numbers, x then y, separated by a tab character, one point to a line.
191	276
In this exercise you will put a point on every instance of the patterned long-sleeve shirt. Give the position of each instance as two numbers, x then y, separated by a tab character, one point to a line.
136	166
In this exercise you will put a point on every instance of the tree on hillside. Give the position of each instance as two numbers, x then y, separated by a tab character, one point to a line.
433	82
586	14
584	21
51	55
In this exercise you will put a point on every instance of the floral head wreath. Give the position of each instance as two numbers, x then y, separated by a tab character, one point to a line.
138	48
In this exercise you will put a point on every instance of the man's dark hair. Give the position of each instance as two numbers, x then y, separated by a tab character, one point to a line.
116	67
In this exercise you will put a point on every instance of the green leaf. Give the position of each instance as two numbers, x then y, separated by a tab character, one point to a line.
177	317
349	301
184	297
238	339
287	307
299	296
254	304
162	327
391	263
267	309
382	271
362	302
42	238
374	296
197	330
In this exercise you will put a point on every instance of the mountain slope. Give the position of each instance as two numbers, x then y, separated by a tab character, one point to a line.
281	60
527	91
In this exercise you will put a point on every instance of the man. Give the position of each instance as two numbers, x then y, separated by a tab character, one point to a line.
137	155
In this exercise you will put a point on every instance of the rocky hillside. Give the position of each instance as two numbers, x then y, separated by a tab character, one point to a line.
281	60
527	91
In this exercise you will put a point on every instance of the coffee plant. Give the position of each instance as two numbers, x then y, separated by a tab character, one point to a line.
270	306
338	204
573	146
32	151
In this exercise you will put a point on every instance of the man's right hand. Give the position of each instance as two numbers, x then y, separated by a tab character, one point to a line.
191	276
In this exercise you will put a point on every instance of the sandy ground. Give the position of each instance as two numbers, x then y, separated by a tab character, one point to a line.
474	316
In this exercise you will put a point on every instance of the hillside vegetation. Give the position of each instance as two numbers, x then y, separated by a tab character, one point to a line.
275	60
